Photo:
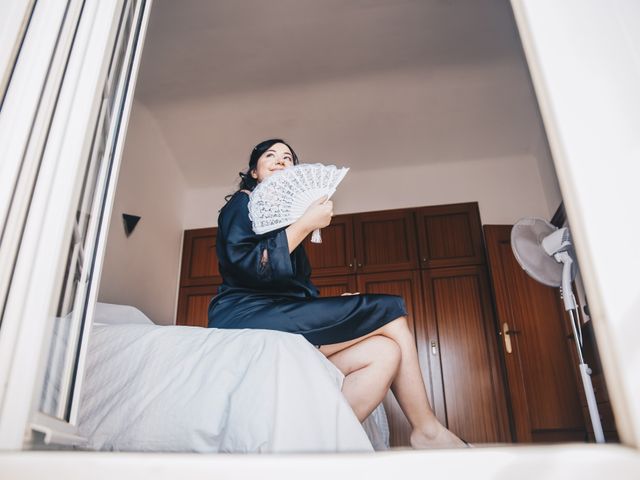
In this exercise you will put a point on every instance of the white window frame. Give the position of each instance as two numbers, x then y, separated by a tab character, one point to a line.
65	137
14	18
24	118
617	333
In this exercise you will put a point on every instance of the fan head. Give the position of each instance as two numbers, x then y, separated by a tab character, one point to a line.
526	242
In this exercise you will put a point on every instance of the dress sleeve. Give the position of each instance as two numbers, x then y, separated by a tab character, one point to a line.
256	258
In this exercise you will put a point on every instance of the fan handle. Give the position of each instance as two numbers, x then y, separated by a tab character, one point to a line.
316	237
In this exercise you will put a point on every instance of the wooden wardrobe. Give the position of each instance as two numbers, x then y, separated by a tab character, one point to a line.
434	258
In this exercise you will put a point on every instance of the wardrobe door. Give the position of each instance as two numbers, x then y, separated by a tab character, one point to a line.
385	241
450	235
193	303
335	255
462	332
542	385
407	285
199	259
335	286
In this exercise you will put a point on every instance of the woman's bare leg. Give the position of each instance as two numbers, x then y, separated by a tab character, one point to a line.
410	391
408	387
369	367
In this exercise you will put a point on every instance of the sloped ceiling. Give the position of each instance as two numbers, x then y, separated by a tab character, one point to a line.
219	75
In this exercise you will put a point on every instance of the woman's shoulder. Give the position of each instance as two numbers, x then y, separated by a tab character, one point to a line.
237	203
239	196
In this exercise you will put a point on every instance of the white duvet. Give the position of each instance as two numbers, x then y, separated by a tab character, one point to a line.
153	388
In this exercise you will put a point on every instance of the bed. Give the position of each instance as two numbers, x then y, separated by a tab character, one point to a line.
189	389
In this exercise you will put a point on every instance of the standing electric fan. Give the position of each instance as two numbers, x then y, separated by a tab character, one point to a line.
547	255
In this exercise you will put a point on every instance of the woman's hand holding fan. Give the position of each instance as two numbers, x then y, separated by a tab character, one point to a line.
285	196
317	215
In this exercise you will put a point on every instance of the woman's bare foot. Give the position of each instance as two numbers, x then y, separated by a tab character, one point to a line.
440	438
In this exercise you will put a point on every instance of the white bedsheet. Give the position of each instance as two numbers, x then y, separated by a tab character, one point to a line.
153	388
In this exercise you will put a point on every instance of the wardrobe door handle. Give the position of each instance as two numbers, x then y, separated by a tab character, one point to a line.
507	336
434	348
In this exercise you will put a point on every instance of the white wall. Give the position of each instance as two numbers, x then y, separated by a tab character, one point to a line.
143	269
505	188
412	137
547	170
414	116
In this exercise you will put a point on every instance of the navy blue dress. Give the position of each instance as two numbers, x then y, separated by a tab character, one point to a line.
265	287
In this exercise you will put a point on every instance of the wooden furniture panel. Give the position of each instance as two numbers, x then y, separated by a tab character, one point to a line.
407	285
460	302
335	255
199	259
193	303
385	241
335	286
450	235
542	384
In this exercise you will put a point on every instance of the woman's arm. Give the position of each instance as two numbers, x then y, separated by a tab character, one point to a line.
254	259
318	215
263	259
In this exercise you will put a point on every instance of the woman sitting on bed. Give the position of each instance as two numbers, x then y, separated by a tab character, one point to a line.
266	285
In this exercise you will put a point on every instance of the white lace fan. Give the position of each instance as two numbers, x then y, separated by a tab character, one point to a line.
283	197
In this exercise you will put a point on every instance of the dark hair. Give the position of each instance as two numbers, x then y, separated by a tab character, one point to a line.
247	182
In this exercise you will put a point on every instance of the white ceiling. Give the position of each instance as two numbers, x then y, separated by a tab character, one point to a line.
203	57
215	47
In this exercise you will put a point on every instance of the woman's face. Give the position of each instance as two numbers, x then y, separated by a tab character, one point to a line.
276	158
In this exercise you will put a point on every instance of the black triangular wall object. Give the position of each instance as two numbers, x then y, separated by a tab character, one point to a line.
130	222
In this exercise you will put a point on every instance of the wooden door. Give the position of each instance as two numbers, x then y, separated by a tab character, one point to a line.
407	285
542	384
199	258
385	241
336	254
450	235
193	303
461	328
335	286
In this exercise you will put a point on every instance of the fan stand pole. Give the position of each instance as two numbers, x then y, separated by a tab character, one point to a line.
585	373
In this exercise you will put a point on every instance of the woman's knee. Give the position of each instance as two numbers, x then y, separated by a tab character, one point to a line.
399	326
386	351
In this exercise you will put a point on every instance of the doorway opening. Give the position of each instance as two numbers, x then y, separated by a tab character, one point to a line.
431	106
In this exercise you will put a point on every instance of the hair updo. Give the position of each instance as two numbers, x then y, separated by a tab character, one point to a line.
247	182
